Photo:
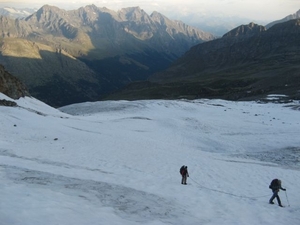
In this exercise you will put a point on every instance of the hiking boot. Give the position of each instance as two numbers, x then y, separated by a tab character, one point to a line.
280	205
272	203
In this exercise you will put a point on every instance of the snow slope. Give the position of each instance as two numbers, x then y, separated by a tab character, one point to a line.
117	162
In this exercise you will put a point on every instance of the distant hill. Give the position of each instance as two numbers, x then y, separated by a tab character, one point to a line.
80	55
246	63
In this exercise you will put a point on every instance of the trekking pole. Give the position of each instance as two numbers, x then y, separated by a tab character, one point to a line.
287	199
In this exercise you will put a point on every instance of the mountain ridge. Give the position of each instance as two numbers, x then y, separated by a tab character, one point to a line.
246	63
108	49
295	15
245	30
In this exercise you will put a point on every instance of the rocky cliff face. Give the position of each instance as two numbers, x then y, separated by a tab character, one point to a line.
11	86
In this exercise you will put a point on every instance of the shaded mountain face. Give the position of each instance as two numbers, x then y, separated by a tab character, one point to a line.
86	53
245	63
11	86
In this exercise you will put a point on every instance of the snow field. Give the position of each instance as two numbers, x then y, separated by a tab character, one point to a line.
117	162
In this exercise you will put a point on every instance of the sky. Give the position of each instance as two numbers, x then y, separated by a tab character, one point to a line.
117	162
268	10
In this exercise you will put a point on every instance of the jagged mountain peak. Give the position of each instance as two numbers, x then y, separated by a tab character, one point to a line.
155	13
46	13
158	17
246	30
54	21
130	12
88	13
91	7
134	14
49	8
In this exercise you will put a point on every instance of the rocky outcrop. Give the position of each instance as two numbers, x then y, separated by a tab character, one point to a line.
245	31
4	102
11	86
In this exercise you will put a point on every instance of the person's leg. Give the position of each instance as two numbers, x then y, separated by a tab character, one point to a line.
185	176
182	179
272	198
278	200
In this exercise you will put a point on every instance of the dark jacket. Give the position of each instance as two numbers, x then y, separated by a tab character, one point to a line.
276	185
184	171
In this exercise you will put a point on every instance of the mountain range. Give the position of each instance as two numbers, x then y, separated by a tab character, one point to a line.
247	63
95	53
217	24
79	55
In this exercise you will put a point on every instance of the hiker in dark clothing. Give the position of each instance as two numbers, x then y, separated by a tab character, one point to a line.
184	173
276	186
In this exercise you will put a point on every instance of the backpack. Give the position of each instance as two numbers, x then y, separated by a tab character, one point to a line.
274	183
181	170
